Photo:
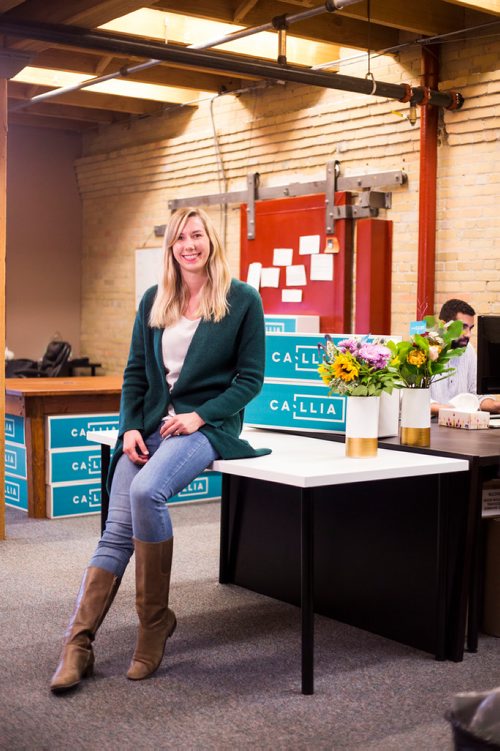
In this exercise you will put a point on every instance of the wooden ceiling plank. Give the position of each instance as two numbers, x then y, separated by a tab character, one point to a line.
423	17
164	74
486	6
332	28
71	112
87	99
102	64
88	13
242	10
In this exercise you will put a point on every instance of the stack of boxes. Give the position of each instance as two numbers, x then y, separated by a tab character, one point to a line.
294	397
16	477
73	468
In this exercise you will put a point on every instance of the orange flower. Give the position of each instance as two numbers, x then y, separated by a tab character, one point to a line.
416	357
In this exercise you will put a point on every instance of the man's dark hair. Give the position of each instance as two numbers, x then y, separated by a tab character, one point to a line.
451	307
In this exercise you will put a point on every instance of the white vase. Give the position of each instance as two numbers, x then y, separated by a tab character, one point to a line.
361	425
416	417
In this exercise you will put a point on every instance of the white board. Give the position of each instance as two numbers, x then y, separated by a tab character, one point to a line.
147	270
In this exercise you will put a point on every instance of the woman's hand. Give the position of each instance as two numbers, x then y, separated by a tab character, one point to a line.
182	424
134	447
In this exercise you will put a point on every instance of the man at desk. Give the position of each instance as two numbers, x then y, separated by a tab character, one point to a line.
463	380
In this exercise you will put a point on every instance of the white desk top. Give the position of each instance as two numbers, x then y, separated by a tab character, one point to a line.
312	462
107	437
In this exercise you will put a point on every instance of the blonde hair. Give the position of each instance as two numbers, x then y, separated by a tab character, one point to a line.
172	295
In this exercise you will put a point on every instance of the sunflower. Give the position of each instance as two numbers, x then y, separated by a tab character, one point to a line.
345	368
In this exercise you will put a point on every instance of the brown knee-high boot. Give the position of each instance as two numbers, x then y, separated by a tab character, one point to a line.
153	563
96	594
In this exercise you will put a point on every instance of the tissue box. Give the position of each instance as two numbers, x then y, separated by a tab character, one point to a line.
455	418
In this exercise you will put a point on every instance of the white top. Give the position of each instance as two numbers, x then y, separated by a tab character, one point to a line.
175	343
462	381
312	462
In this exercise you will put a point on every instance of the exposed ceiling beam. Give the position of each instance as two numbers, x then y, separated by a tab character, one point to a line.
488	6
333	28
88	13
242	10
70	112
164	74
88	99
423	17
176	28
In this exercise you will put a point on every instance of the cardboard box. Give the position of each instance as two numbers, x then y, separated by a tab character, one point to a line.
73	499
491	610
72	465
15	429
16	492
15	460
296	356
70	431
306	406
278	324
454	418
79	498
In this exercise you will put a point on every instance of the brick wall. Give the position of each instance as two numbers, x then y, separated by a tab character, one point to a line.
287	133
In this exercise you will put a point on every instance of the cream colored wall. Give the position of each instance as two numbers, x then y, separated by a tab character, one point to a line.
287	133
43	240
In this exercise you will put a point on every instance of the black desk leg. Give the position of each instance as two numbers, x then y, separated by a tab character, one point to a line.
442	562
224	530
477	561
105	459
307	591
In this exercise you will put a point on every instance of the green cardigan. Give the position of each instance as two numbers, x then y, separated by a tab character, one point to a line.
222	372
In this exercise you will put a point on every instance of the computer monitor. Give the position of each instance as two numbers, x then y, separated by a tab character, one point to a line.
488	355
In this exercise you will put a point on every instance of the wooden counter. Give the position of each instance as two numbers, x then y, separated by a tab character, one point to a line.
37	398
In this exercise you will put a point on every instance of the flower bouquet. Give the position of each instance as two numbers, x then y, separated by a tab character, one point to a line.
356	367
424	357
420	361
360	370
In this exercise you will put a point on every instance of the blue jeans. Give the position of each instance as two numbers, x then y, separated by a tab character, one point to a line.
139	494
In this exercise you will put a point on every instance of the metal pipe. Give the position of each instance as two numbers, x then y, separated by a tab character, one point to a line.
427	189
125	71
122	44
83	84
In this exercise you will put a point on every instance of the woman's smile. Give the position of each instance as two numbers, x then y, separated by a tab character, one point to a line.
192	248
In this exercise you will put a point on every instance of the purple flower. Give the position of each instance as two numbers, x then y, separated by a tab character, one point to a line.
375	355
349	345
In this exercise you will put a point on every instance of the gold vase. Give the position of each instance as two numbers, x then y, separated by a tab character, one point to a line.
361	430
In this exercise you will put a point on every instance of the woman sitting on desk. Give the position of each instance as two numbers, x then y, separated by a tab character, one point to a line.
196	359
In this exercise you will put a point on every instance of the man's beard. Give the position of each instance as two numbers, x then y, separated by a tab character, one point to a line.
462	342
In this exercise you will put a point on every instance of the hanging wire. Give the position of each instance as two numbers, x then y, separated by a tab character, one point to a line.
221	175
369	75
